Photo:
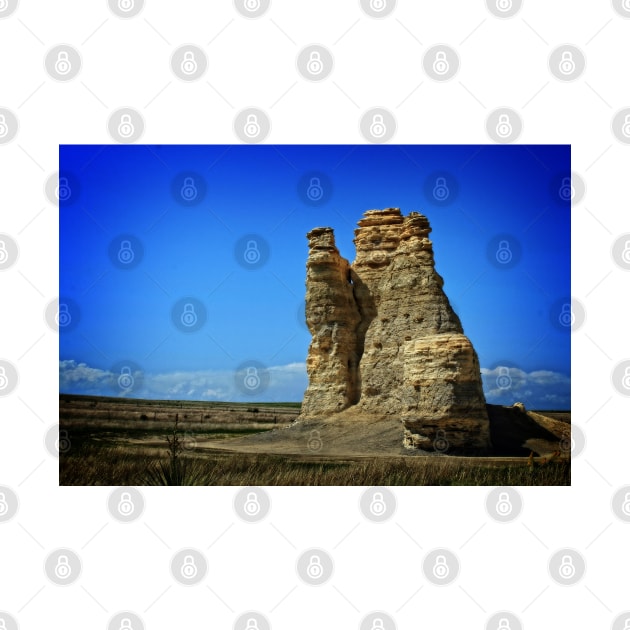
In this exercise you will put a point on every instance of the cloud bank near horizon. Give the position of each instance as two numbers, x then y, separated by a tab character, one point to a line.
539	389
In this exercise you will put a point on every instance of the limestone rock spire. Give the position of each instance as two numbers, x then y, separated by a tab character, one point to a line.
385	340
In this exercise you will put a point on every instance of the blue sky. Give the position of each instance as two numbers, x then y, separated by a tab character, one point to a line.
150	233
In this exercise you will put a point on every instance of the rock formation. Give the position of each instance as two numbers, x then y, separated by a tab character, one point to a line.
385	340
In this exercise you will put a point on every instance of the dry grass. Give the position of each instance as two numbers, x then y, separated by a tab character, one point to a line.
135	443
122	465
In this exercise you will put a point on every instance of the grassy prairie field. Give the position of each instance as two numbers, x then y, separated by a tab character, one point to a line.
106	441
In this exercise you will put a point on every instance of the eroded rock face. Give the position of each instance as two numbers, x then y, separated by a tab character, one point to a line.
385	340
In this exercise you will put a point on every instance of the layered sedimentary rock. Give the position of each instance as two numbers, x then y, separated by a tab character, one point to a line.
385	340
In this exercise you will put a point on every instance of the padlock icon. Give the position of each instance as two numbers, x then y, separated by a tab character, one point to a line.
252	624
567	443
378	624
440	63
251	255
4	4
125	505
566	317
315	570
125	5
252	126
504	126
504	505
252	504
189	317
625	255
314	64
440	568
4	381
377	127
189	64
125	624
63	192
378	5
251	380
315	191
440	190
504	5
566	191
4	129
504	624
4	254
4	506
625	129
189	568
63	65
504	253
126	128
378	507
190	443
125	380
625	506
63	570
440	443
63	317
126	254
504	381
62	443
567	568
252	5
626	5
625	381
567	64
189	190
626	625
314	442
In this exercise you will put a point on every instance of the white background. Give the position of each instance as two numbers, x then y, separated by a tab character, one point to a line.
378	62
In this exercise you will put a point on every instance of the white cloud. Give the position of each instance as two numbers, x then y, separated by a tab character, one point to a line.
286	383
539	389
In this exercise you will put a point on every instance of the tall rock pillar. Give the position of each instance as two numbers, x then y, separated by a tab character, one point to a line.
386	342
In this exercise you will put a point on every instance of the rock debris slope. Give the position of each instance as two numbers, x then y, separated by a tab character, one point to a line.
386	342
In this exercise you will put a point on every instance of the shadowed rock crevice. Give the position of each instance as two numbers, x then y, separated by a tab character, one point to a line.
385	340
